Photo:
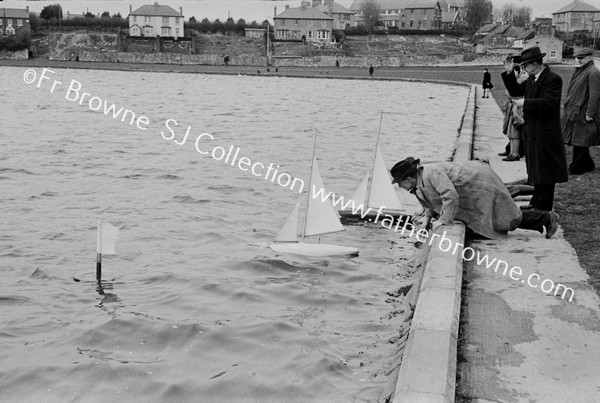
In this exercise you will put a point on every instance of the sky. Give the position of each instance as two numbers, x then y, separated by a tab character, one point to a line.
248	9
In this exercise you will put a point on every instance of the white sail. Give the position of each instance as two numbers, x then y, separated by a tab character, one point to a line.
321	218
382	191
360	194
289	231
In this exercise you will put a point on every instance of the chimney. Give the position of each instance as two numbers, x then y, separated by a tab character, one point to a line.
275	11
181	10
287	6
130	9
156	3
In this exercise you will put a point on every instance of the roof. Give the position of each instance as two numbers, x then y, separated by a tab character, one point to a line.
487	28
300	13
525	35
383	4
156	10
14	13
513	31
337	9
577	6
423	4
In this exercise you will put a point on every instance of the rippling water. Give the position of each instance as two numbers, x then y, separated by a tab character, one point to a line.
195	307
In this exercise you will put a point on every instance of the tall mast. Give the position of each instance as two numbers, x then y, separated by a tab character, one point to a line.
312	163
370	180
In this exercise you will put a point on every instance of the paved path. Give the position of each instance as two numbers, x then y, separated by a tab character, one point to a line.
520	344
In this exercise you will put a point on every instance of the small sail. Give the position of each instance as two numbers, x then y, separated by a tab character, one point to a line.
107	238
289	231
382	191
360	194
321	218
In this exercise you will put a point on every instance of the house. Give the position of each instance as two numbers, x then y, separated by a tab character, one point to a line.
519	41
342	17
390	11
303	23
575	16
155	20
13	20
487	29
255	32
548	44
405	14
422	14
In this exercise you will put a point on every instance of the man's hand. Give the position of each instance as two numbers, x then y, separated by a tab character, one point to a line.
588	118
519	102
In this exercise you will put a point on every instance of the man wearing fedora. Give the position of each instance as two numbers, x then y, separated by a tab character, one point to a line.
544	148
470	192
582	112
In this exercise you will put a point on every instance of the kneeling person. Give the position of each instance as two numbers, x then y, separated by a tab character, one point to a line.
470	192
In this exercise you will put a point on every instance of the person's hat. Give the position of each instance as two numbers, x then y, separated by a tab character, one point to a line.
404	169
531	54
583	52
516	59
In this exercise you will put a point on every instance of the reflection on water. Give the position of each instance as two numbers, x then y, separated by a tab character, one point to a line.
195	307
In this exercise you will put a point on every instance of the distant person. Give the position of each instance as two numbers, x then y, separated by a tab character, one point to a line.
544	148
371	70
581	113
337	63
487	83
470	192
226	61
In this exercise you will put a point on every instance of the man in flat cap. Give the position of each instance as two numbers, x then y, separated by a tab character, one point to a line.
582	112
544	148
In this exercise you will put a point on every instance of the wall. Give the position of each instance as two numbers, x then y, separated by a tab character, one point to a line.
16	55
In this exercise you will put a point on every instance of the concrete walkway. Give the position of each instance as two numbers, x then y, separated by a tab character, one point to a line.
518	343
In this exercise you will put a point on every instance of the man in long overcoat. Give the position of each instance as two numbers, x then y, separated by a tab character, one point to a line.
582	112
470	192
544	148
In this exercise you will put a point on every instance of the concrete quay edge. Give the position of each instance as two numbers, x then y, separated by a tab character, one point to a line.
428	369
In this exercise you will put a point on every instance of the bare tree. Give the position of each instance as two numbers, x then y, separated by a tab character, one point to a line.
370	11
479	13
518	16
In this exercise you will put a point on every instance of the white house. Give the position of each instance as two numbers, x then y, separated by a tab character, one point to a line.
153	20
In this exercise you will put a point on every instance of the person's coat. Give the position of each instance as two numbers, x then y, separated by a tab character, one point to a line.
470	192
544	147
583	97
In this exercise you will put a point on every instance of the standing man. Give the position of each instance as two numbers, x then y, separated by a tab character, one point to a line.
582	114
371	70
544	148
487	83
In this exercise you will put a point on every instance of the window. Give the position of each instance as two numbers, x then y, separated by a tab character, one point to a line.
10	30
1	21
310	23
323	34
147	30
296	22
134	18
323	23
296	34
176	31
176	20
146	19
166	31
135	31
553	53
411	23
310	35
165	20
283	23
9	22
19	23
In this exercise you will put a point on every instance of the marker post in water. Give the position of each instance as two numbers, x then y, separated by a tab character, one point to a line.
105	244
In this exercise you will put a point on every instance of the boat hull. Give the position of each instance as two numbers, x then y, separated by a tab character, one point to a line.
348	218
313	249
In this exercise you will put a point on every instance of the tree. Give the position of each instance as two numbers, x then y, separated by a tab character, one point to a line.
34	22
105	14
370	12
117	15
479	13
192	20
89	15
52	11
518	16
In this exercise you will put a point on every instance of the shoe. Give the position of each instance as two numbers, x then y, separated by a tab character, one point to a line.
527	207
511	158
504	154
552	227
